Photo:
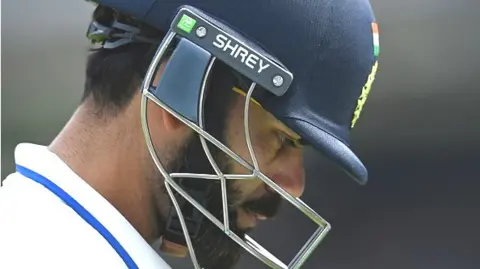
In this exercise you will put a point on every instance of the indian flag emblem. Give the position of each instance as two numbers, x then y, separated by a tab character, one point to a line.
376	39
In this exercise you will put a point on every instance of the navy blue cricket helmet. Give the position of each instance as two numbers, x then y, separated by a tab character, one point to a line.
330	47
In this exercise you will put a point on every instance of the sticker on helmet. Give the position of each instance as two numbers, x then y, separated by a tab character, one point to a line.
376	42
368	85
186	23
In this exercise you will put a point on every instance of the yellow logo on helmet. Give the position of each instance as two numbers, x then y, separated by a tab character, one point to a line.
363	97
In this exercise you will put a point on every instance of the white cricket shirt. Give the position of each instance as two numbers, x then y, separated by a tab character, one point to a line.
51	218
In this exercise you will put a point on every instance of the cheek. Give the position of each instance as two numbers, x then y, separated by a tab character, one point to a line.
245	188
239	146
264	147
263	141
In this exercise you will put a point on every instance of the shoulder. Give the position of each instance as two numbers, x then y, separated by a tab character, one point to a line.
51	217
38	230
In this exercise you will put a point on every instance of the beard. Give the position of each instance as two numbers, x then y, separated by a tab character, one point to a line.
213	248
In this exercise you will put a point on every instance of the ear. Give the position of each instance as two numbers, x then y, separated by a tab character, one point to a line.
170	122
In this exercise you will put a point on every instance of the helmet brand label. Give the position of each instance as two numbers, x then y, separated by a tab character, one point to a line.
233	49
240	53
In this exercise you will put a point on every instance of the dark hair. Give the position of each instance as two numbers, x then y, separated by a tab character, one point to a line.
113	75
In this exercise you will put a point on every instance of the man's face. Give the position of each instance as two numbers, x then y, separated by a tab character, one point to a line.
249	200
278	158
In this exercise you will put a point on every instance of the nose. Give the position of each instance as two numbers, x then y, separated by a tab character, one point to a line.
290	175
294	185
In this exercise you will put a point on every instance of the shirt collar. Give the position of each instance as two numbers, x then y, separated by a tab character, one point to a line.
46	163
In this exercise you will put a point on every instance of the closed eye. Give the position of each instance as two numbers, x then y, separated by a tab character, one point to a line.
288	142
